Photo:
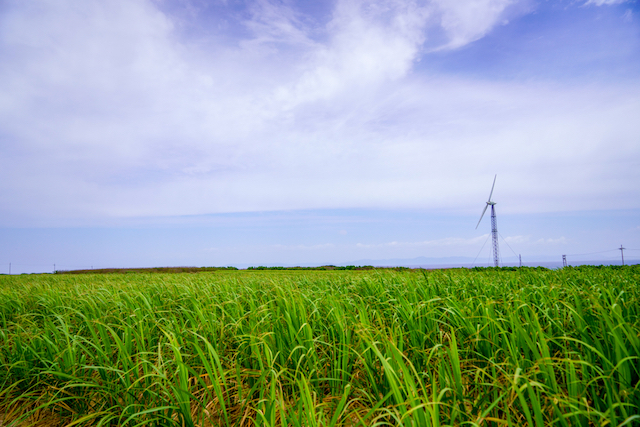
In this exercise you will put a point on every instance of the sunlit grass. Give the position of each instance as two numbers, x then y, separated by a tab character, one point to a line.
322	348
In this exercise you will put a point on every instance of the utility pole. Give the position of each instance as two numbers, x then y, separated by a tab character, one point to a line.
54	269
520	258
564	260
622	253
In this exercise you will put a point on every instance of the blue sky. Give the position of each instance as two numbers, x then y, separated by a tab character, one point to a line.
192	132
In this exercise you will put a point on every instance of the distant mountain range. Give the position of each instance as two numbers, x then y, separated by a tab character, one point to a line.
414	262
452	262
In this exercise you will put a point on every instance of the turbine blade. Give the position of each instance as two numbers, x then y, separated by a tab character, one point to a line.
485	209
494	184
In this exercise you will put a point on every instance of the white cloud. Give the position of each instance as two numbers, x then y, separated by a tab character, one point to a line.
369	44
517	239
276	22
604	2
303	247
467	21
374	42
551	241
526	240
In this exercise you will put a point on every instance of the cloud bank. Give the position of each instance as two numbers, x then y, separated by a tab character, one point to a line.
116	110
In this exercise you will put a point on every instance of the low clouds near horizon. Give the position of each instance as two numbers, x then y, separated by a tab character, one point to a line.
146	108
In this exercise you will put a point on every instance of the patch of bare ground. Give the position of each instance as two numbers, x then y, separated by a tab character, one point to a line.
40	419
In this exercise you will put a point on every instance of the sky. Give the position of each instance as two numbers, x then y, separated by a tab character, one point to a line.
138	133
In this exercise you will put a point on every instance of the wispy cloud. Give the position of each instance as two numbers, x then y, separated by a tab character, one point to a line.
448	241
527	240
605	2
304	247
468	21
517	239
276	22
552	241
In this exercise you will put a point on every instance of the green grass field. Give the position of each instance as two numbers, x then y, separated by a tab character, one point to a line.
322	348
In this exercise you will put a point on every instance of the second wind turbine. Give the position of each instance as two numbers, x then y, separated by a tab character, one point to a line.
494	225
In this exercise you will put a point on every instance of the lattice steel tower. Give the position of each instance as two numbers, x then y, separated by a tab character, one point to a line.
494	225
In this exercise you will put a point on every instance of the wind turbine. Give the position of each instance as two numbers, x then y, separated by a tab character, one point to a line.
494	225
